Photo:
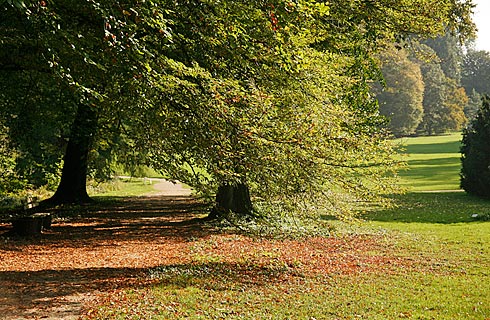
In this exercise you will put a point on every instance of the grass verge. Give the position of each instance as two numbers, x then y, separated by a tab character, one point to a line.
121	188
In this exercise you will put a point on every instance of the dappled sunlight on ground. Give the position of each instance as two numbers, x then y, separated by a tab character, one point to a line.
107	247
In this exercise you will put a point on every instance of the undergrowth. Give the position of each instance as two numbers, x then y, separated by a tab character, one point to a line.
275	225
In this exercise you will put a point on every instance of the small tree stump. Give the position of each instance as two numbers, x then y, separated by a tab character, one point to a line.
32	225
47	219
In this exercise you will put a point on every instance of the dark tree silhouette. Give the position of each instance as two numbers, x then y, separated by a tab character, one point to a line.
475	172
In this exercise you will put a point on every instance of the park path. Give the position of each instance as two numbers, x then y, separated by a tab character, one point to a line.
167	188
98	249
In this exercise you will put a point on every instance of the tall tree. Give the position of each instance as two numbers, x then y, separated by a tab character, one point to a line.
455	103
443	102
67	46
400	100
476	71
450	53
244	90
474	103
73	183
434	99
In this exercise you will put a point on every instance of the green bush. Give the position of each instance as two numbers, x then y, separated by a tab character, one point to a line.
10	181
475	150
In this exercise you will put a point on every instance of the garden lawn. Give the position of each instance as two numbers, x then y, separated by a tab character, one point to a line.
433	162
131	187
429	258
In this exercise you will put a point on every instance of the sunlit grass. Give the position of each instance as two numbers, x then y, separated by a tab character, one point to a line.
433	162
442	240
360	297
122	188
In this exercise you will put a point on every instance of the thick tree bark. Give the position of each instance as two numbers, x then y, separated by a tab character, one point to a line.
235	198
73	184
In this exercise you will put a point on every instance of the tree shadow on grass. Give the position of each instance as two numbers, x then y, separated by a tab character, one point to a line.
58	293
450	162
62	294
430	148
433	207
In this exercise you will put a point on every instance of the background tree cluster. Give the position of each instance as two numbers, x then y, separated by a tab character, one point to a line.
267	101
425	91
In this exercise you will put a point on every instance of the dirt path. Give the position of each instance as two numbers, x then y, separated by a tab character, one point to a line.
167	188
97	249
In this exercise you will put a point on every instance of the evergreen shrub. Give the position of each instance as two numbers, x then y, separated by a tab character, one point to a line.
475	150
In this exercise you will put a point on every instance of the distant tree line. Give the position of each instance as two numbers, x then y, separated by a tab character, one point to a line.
431	86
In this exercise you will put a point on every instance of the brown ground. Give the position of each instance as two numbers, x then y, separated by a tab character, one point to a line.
106	247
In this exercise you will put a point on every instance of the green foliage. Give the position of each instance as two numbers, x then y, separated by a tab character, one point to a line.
450	52
456	101
434	95
444	101
276	221
37	114
401	98
9	180
433	103
474	103
274	96
450	56
280	126
476	71
475	150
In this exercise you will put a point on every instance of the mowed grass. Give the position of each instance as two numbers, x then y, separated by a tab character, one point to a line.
122	188
448	233
433	162
428	258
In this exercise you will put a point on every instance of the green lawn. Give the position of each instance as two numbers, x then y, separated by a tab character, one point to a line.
433	162
450	231
431	261
121	188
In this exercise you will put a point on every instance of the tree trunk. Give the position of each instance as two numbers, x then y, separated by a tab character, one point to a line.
235	198
73	184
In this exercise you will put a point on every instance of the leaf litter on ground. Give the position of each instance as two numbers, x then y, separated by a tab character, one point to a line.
96	256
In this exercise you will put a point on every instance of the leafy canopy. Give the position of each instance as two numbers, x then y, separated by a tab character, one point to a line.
273	94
